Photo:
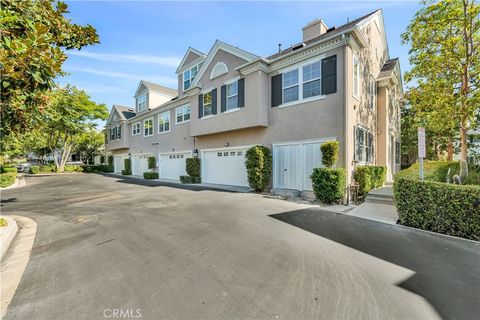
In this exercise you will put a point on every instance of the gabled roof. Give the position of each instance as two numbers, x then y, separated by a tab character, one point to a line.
124	113
190	50
388	68
333	32
220	45
157	88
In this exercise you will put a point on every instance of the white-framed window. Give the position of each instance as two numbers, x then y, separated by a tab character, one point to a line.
364	146
398	152
135	128
303	82
356	76
164	122
232	95
148	127
372	93
188	76
182	114
311	80
119	132
207	104
113	133
141	102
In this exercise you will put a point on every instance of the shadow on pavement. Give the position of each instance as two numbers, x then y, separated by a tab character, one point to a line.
3	201
446	269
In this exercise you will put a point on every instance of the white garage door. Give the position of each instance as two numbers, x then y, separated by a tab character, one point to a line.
119	163
224	167
293	164
173	165
140	164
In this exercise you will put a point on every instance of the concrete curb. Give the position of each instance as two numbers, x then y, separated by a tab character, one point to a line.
16	260
7	235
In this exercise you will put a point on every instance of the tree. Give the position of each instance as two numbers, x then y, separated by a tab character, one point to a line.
445	49
69	113
33	36
89	144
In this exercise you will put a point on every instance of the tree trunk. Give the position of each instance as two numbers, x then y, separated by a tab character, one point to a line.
450	151
463	141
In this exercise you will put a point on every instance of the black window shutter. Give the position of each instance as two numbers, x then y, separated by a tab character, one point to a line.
214	101
277	90
329	75
241	92
200	106
223	98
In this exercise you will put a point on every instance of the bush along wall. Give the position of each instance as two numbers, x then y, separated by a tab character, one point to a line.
110	160
152	162
192	166
258	162
369	177
42	169
439	207
128	167
150	175
329	184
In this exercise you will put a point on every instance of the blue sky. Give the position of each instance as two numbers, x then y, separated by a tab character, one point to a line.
147	40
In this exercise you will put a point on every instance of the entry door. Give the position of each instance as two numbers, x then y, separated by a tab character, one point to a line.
288	167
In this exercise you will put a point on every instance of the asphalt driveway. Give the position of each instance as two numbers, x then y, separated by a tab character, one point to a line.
170	253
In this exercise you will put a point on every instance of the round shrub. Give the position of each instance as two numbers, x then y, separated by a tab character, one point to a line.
193	167
329	153
329	184
258	161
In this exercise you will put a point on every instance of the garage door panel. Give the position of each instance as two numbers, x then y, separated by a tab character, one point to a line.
225	167
172	166
140	164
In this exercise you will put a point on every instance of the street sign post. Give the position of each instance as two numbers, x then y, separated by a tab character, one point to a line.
422	152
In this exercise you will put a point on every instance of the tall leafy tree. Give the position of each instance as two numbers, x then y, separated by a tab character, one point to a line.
89	144
69	114
445	52
34	35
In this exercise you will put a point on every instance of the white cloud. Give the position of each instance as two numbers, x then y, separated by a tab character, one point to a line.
167	61
157	79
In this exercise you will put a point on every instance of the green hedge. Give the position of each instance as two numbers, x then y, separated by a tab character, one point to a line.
126	172
152	162
329	153
4	169
7	179
258	162
329	184
439	207
432	170
73	168
128	167
369	177
190	179
42	169
150	175
99	168
192	166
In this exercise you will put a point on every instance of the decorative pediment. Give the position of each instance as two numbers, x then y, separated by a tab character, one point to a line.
219	69
191	57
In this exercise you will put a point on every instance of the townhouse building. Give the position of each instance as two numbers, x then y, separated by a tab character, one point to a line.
337	83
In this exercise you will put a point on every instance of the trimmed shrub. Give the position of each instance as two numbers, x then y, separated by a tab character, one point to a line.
102	159
369	177
329	184
193	167
152	162
104	168
150	175
4	169
189	179
42	169
439	207
258	161
73	168
432	170
126	172
7	179
110	160
378	176
329	153
128	167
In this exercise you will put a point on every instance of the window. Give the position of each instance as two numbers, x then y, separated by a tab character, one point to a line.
290	86
141	102
182	114
364	143
308	87
112	134
356	76
207	104
136	128
164	122
372	94
188	76
148	127
311	80
397	152
232	95
119	132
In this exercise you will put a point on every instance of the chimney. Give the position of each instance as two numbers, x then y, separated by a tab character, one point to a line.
314	29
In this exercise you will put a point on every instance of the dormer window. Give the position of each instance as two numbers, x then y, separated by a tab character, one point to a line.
188	76
141	102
